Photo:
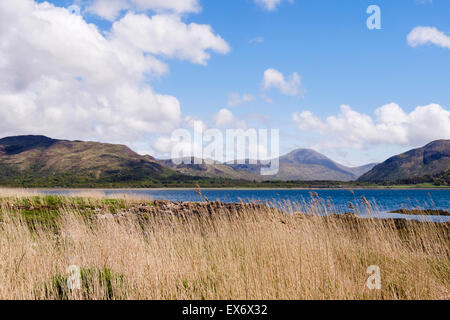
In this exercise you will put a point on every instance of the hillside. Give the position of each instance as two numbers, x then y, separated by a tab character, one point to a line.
38	160
301	164
432	159
209	169
307	164
439	179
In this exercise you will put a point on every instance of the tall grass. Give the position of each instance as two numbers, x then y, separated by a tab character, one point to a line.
253	252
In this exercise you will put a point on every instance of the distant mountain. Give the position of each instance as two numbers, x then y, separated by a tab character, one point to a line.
301	164
359	171
307	164
209	169
39	160
432	159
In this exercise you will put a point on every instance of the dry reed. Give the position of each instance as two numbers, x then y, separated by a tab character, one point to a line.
251	253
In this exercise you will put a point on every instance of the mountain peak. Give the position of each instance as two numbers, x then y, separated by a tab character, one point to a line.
304	154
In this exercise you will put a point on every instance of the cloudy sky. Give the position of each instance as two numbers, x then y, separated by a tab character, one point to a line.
132	71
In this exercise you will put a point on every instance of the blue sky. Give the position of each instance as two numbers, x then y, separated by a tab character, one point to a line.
328	44
339	60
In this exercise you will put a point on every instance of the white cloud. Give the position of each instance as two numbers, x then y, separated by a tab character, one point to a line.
307	120
168	36
226	118
236	99
168	147
164	144
428	35
392	125
194	122
275	79
223	117
61	77
270	5
110	9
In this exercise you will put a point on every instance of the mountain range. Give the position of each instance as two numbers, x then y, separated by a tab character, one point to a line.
300	164
43	161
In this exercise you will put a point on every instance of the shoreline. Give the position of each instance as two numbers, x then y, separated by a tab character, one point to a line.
227	188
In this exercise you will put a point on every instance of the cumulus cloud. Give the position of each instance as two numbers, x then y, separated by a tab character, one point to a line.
62	77
110	9
428	35
225	118
165	144
270	5
168	36
391	125
275	79
236	99
195	123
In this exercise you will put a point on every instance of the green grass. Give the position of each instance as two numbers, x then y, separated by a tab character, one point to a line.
46	210
56	287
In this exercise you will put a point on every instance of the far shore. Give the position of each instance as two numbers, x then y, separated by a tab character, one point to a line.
237	188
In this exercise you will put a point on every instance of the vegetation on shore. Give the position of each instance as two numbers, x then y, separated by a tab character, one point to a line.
423	212
170	180
134	248
39	162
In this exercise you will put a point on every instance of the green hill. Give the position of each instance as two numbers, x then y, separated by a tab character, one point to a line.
432	159
42	161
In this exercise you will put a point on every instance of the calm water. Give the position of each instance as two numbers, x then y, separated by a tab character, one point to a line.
384	200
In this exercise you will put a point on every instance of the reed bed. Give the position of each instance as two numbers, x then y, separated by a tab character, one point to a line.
132	248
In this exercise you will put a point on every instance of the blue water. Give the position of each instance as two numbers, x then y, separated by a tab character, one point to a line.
381	200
